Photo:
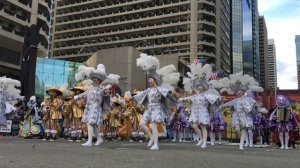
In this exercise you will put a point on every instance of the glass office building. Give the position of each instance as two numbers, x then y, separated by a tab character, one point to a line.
244	37
247	38
237	39
53	73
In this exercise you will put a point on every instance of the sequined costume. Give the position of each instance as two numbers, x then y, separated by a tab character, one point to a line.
243	112
96	103
200	104
156	100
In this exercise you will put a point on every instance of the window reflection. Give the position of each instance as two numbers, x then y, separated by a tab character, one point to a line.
53	73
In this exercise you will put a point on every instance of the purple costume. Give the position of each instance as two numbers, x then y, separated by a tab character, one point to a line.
178	120
217	122
260	124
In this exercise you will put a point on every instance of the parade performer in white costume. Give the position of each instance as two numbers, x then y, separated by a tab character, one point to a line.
97	102
8	92
158	97
245	107
202	101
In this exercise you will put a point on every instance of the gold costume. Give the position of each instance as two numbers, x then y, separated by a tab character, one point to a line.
55	109
53	112
68	115
114	118
46	113
78	108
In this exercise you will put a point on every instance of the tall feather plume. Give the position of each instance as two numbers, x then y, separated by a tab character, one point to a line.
187	83
215	84
10	86
197	71
111	79
147	62
245	80
83	72
100	69
170	76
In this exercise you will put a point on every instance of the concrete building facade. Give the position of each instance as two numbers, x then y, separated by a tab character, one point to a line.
15	15
188	28
272	64
263	52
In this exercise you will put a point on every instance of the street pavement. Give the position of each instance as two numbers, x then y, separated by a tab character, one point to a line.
34	153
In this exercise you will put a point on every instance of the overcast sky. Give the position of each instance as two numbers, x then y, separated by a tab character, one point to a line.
283	23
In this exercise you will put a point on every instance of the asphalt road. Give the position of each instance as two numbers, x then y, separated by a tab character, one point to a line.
33	153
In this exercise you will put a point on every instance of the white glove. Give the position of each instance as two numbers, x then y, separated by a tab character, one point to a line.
107	87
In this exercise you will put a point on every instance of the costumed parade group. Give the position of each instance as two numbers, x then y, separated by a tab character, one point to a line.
90	112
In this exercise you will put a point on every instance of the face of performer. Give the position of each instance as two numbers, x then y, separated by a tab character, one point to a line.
240	93
281	101
96	81
77	92
152	82
53	94
200	89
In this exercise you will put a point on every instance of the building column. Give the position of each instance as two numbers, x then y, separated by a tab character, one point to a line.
193	31
34	12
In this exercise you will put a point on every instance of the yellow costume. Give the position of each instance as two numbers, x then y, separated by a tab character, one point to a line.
68	116
55	109
53	106
78	107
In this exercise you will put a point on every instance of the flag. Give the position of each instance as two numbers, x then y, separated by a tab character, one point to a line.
196	61
214	76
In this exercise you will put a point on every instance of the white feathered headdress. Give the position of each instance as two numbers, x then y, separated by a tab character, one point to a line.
111	79
239	81
166	76
199	75
84	74
170	76
9	85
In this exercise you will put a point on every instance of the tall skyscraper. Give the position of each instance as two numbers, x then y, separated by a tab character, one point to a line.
15	15
244	35
263	52
255	41
272	64
297	41
187	28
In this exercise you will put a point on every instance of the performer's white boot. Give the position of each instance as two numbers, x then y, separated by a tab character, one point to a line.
250	134
90	136
281	140
220	137
287	137
204	132
147	131
242	139
195	137
199	134
260	141
212	138
154	137
180	136
99	139
174	136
